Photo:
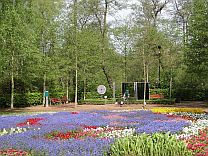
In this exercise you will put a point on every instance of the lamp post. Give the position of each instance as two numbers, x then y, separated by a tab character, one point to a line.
159	64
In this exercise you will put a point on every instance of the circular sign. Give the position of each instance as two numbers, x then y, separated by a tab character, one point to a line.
101	89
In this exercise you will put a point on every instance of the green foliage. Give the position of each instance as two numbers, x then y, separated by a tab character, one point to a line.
131	101
192	94
153	101
21	99
149	145
56	94
164	92
4	101
196	54
34	98
96	101
37	39
92	95
197	48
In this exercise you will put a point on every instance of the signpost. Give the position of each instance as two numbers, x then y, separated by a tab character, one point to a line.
46	94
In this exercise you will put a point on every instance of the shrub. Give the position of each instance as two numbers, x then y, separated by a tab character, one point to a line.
34	98
153	101
164	92
97	101
187	94
92	95
20	100
56	94
129	101
156	144
4	101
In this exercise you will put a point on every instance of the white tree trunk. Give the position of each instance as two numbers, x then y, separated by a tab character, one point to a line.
12	81
76	59
67	90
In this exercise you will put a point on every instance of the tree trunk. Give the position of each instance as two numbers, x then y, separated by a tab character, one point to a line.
12	81
125	62
76	86
114	91
103	44
171	80
67	90
44	89
109	80
71	84
84	96
76	59
147	71
144	64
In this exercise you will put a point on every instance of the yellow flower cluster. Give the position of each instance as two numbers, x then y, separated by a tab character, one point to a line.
171	110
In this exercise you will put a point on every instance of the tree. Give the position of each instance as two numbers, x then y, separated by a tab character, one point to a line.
123	39
196	55
182	13
16	40
45	27
149	37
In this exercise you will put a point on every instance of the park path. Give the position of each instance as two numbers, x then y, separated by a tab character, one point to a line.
70	107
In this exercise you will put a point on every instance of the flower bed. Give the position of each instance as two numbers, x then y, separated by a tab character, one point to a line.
87	133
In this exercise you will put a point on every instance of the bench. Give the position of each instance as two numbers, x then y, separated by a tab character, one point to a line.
55	101
156	96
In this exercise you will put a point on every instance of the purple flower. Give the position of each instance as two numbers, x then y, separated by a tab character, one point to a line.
33	139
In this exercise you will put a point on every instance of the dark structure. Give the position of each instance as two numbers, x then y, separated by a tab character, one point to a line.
135	90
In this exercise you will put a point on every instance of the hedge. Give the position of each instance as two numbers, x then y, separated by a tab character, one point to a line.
110	101
96	101
26	99
21	100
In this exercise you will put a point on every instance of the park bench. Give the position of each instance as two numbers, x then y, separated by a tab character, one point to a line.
55	101
156	96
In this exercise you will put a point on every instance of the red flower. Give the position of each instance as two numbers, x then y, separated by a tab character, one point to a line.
198	143
11	152
31	121
74	112
89	127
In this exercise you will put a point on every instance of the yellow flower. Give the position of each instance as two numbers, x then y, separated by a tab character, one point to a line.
169	110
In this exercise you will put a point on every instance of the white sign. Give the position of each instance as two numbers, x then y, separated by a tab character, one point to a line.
101	89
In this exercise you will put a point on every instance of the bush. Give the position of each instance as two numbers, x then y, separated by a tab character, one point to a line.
91	95
165	92
130	101
156	144
96	101
153	101
56	94
191	94
4	101
21	100
34	98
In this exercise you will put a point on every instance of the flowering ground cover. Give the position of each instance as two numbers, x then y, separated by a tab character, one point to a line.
87	133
